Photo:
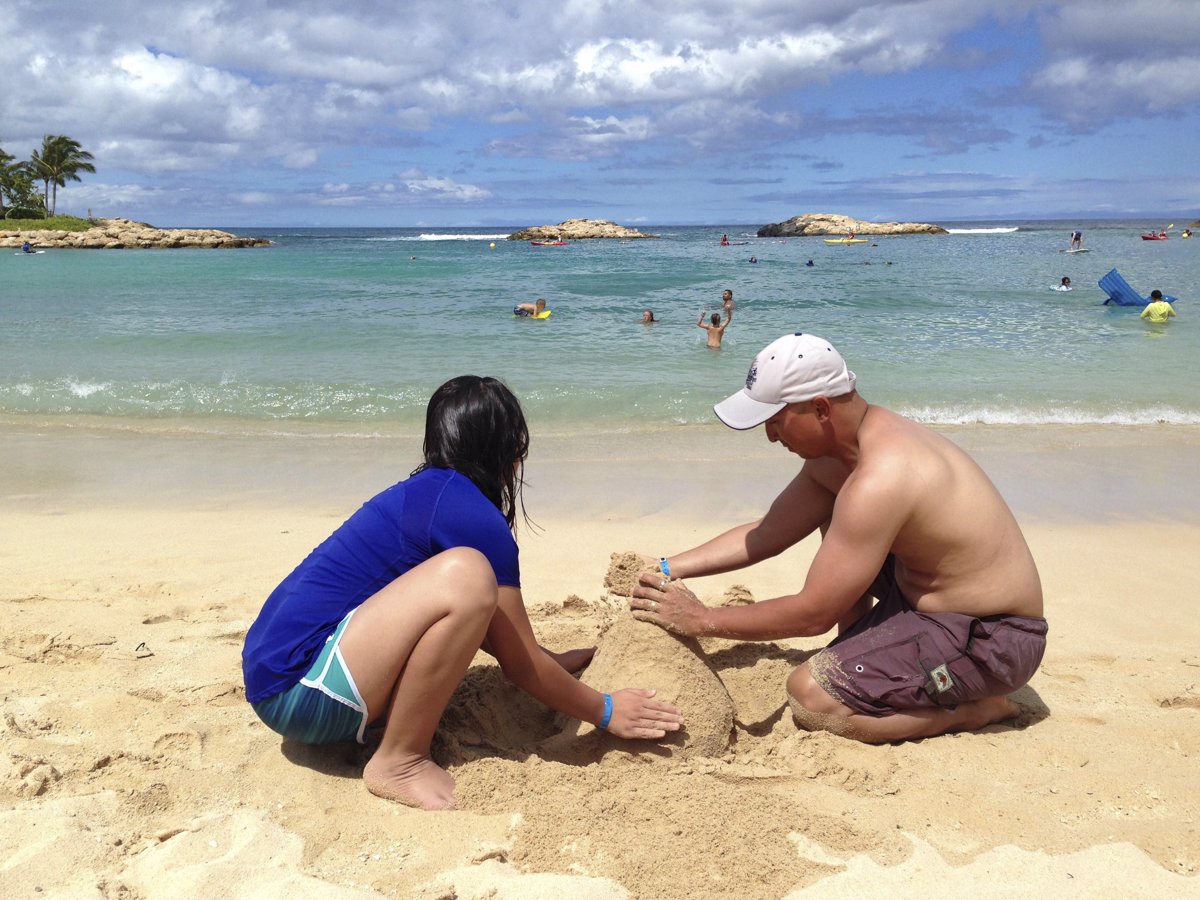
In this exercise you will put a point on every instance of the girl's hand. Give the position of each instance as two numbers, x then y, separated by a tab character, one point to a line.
636	714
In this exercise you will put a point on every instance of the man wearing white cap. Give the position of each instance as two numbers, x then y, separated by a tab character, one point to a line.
907	520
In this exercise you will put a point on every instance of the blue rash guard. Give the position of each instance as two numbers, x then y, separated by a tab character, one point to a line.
396	530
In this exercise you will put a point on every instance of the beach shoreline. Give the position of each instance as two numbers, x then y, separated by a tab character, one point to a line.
134	555
1055	472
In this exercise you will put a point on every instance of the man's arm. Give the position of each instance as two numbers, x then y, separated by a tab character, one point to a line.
799	510
861	532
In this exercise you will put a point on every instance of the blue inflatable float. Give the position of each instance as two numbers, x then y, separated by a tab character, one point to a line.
1121	294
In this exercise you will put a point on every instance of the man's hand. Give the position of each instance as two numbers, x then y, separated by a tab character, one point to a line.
670	605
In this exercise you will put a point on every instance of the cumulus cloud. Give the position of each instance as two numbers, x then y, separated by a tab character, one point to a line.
1111	58
444	188
256	91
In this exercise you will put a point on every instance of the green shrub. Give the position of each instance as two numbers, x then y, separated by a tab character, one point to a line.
24	212
56	223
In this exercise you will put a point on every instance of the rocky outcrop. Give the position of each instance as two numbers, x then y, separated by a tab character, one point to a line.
124	234
578	230
831	223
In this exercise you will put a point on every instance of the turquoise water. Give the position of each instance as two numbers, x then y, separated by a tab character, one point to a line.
355	328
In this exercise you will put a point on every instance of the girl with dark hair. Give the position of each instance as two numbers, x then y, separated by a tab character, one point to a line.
380	622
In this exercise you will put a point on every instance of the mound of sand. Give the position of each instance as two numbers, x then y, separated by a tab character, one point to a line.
623	572
637	654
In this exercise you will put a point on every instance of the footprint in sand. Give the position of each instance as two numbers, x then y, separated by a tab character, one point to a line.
1182	701
177	743
55	648
32	776
866	770
221	693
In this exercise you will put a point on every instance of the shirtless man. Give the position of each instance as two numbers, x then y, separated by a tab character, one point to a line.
907	518
715	328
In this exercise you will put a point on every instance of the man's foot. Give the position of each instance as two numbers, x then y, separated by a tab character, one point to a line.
996	709
410	779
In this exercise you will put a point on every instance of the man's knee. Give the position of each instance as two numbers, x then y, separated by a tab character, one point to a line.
812	706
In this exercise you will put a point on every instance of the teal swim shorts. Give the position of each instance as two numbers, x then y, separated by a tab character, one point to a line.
323	707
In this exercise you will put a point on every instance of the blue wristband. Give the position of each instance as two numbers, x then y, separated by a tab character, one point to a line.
607	717
663	567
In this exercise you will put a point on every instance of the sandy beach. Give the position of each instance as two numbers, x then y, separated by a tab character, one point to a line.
132	560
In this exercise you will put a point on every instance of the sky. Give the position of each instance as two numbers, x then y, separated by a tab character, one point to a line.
212	113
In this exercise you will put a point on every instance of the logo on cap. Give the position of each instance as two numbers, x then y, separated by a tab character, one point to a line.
752	375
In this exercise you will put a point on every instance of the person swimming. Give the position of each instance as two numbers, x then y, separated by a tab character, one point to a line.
530	310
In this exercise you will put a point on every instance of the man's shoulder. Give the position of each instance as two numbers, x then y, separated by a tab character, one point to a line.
895	446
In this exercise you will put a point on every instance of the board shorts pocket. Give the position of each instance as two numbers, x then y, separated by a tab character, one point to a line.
877	682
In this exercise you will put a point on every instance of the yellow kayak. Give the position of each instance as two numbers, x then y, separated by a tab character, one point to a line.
846	240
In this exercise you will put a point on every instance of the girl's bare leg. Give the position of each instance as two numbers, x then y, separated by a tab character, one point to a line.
407	647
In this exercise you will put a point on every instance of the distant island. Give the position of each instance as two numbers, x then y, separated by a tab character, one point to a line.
578	230
125	234
832	223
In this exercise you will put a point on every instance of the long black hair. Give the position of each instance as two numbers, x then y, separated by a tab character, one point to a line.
475	426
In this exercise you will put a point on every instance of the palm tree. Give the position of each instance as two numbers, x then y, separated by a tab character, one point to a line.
5	165
61	160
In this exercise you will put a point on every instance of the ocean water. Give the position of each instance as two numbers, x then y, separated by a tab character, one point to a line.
352	329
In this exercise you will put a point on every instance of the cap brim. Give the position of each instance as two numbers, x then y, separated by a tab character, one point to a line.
742	412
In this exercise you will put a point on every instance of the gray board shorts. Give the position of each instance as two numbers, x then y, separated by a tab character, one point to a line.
895	658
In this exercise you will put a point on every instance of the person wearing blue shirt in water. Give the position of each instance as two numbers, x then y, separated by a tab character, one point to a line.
380	622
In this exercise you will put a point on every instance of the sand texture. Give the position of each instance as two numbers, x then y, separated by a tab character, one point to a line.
132	767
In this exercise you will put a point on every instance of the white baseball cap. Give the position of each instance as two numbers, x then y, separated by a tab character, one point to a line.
792	369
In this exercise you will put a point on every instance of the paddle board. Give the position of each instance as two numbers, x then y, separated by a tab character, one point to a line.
544	314
847	241
30	253
1079	250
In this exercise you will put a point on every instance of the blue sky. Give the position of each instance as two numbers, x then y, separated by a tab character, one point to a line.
221	113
